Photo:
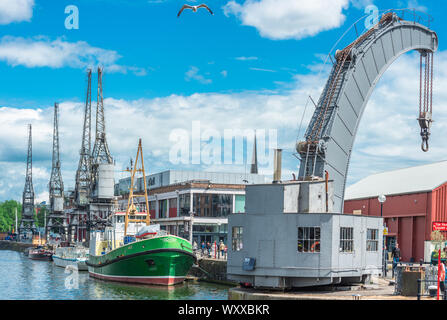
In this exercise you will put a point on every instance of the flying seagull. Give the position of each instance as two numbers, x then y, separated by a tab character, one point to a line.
194	8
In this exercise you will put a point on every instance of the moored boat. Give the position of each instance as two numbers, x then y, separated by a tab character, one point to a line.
161	260
135	251
40	253
74	256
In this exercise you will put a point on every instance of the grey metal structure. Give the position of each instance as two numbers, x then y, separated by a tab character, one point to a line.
56	220
27	221
267	250
102	170
78	216
331	133
294	234
169	177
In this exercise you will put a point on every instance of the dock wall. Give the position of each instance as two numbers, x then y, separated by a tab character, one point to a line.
211	270
14	246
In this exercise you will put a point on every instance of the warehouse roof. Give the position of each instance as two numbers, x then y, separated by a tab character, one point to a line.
402	181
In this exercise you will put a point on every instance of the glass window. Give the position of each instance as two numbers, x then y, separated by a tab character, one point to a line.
236	240
213	205
185	201
172	203
372	242
163	208
346	239
309	239
239	203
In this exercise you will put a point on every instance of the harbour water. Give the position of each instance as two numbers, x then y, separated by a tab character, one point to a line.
24	279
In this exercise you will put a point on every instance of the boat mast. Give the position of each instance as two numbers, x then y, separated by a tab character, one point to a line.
130	205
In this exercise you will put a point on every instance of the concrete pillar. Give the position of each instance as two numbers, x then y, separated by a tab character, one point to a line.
167	208
157	207
178	203
234	204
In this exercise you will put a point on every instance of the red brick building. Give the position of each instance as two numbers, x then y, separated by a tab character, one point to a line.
415	198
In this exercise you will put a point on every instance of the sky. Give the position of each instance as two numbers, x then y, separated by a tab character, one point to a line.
251	65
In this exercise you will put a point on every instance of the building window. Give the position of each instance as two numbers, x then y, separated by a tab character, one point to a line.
346	239
372	242
237	238
239	203
184	200
163	208
212	205
309	239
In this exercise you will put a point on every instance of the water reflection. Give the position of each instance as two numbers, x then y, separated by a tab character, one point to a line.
22	278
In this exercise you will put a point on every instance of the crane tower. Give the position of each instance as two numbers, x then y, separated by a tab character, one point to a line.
78	217
102	169
27	222
56	218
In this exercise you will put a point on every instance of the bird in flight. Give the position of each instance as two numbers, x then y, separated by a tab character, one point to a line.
194	8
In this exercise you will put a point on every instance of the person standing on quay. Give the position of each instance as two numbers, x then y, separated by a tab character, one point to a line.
442	280
222	249
396	257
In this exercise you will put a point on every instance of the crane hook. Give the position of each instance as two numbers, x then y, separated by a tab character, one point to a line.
424	145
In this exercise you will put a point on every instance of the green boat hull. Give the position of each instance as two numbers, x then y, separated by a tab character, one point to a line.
162	261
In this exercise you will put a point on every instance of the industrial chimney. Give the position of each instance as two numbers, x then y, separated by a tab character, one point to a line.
277	166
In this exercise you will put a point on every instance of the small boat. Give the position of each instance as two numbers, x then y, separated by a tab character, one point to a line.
74	256
40	253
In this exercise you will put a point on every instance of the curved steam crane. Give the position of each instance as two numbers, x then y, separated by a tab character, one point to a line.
358	67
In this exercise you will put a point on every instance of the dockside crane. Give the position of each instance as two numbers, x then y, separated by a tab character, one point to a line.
102	170
78	215
329	138
56	220
27	222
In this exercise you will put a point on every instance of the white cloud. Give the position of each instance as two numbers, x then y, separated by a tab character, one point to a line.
42	52
388	136
261	69
15	11
193	74
289	19
246	58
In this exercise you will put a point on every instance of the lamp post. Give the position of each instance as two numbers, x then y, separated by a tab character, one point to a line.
382	200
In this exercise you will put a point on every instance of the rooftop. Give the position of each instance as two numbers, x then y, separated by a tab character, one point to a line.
416	179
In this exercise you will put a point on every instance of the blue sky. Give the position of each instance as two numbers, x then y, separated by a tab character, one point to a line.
240	68
149	35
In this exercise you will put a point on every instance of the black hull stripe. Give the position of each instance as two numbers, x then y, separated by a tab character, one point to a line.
141	254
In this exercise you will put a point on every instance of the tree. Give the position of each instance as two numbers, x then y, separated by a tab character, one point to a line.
7	214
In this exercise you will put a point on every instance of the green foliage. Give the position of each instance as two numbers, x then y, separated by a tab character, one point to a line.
7	214
40	221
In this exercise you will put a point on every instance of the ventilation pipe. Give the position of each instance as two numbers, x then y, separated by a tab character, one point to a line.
277	166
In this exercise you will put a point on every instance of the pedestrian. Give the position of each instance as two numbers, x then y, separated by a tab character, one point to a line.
194	246
442	280
396	257
225	250
208	247
203	247
221	249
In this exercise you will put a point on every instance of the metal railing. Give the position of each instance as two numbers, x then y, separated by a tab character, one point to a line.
204	254
430	273
423	291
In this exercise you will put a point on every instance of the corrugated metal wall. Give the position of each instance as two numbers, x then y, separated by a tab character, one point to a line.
408	218
439	203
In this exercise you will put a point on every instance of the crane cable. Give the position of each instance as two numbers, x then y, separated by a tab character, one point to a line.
425	96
